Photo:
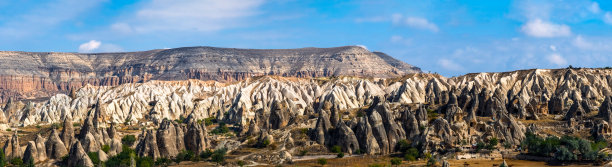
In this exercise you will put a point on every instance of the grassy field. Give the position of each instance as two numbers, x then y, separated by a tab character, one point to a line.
385	161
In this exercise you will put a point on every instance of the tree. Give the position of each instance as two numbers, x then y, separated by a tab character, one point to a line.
492	143
396	161
219	156
564	154
2	158
128	140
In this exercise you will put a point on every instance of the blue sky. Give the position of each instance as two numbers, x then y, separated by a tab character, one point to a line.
451	37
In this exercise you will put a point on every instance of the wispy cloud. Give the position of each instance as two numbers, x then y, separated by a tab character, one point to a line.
557	59
189	15
594	8
543	29
45	17
414	22
450	65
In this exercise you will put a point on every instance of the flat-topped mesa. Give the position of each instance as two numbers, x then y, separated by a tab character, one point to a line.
42	74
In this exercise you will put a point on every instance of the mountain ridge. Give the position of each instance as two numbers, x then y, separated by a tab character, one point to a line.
25	75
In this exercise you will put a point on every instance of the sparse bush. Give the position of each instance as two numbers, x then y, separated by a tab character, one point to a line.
76	124
507	145
128	140
396	161
162	162
322	161
303	152
209	121
206	154
376	165
241	163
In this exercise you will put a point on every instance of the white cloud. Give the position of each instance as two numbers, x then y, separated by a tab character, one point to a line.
557	59
397	39
121	27
607	18
594	8
90	46
544	29
414	22
553	48
582	43
190	15
450	65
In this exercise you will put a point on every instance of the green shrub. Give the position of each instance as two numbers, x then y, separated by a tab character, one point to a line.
480	146
106	148
16	161
376	165
431	162
303	152
121	159
411	154
162	162
241	163
38	126
396	161
336	149
56	126
128	140
492	144
2	158
322	161
263	144
340	155
209	121
221	129
94	157
564	154
76	124
144	162
206	154
219	156
9	130
185	155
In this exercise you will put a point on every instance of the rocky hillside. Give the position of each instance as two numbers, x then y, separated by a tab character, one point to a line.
371	116
26	75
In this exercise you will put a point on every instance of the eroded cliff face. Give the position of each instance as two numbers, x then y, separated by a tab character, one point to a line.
370	115
26	75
